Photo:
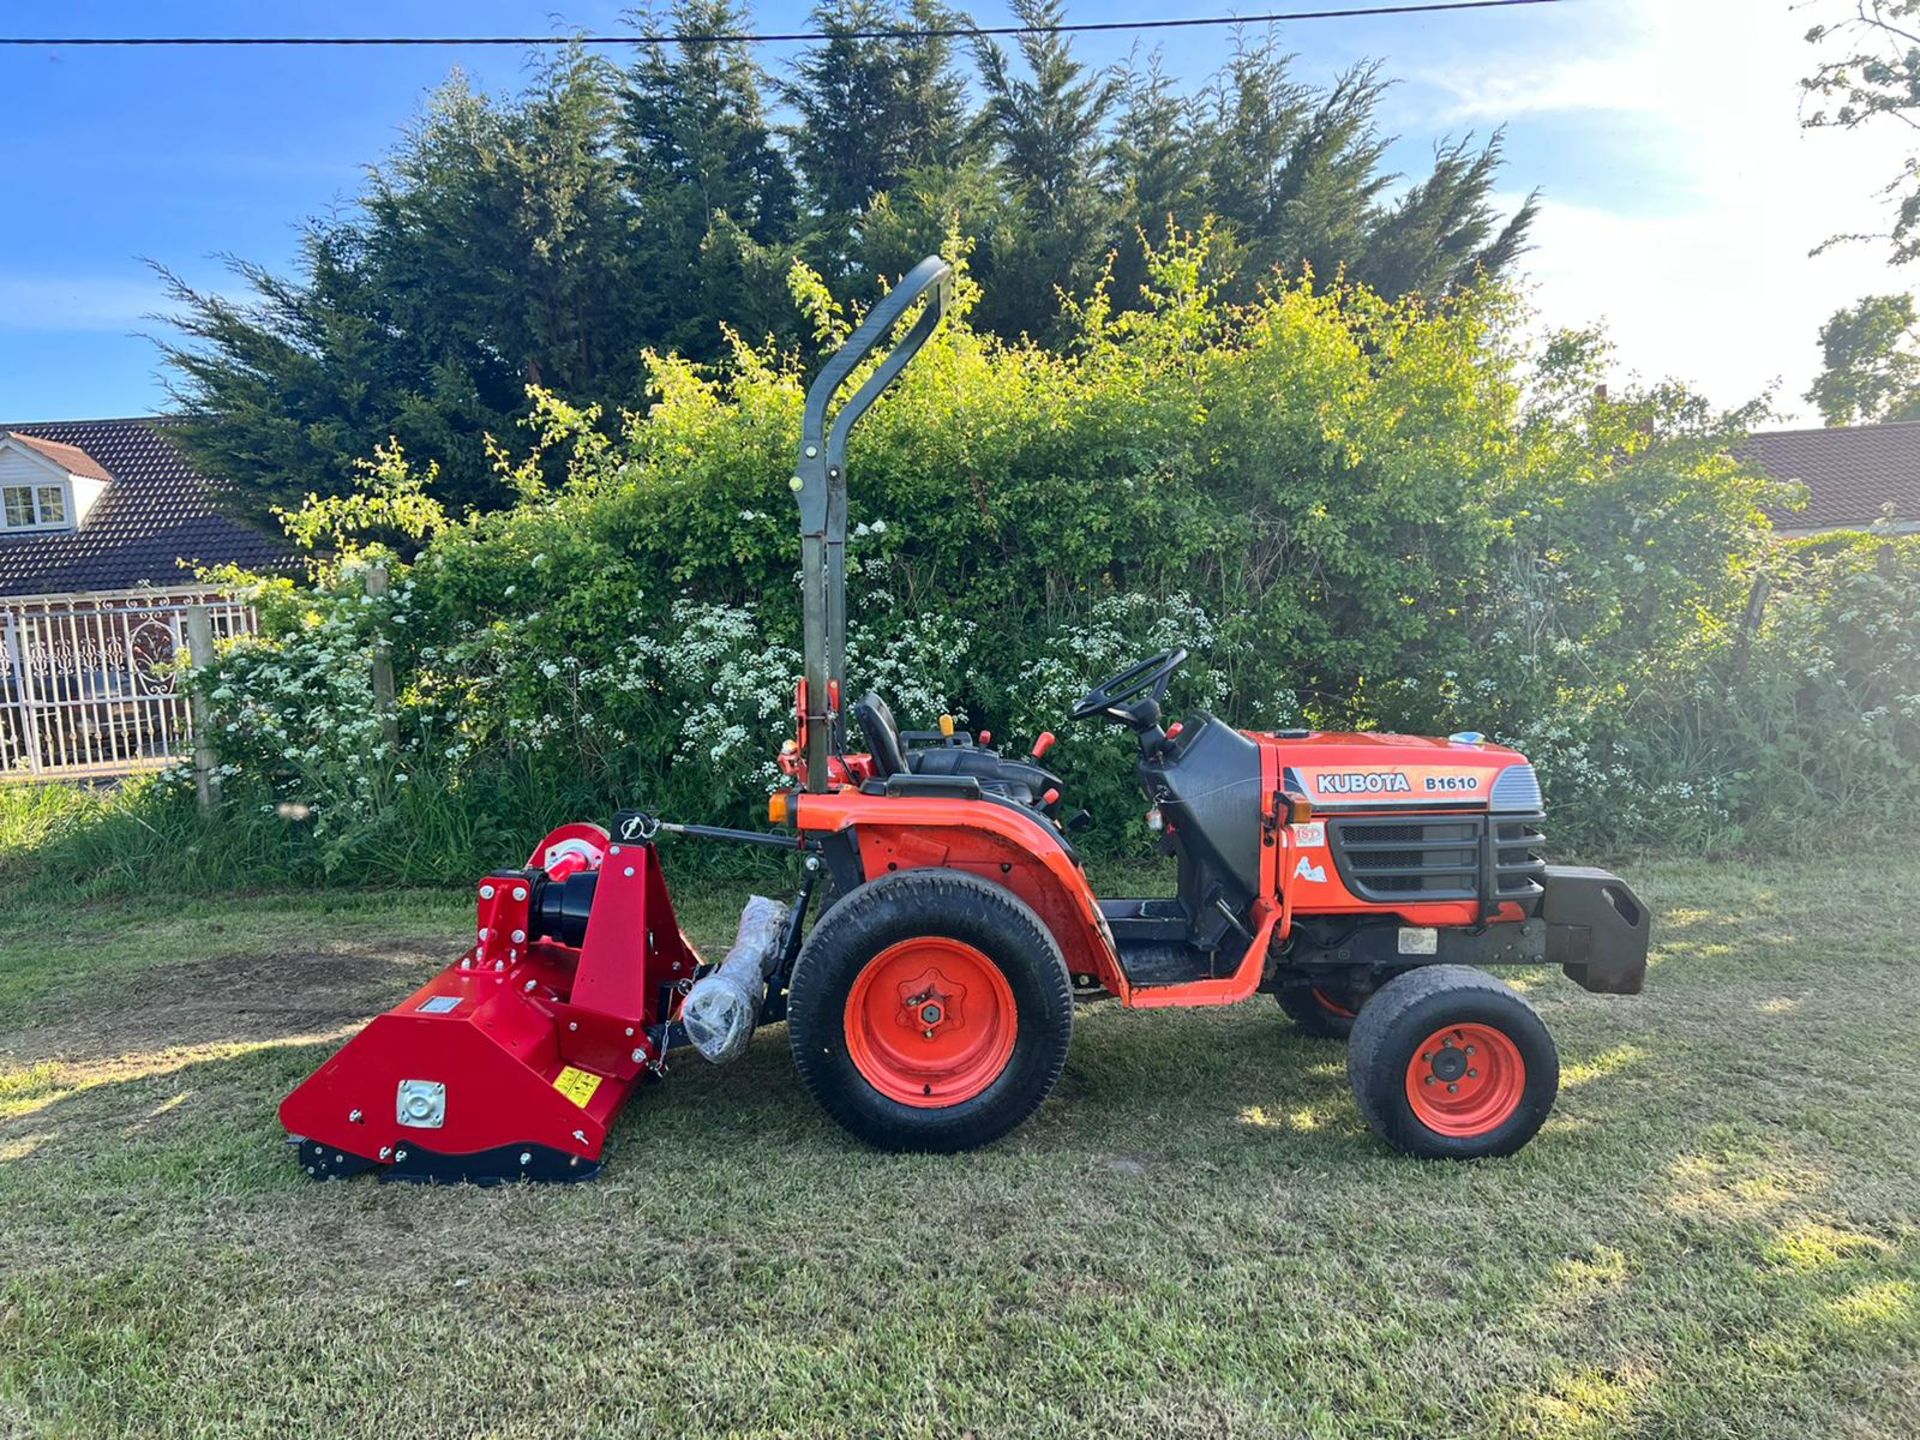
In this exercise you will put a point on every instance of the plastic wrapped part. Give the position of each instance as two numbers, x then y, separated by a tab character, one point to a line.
719	1011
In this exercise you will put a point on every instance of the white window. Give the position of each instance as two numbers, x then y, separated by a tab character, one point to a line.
33	507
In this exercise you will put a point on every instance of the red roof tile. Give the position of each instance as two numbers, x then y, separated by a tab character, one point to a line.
70	458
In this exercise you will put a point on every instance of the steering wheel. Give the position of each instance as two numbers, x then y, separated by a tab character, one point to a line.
1151	674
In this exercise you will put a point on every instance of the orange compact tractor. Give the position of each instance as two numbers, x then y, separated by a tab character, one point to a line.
944	931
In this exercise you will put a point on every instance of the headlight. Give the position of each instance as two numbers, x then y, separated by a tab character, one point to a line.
1516	788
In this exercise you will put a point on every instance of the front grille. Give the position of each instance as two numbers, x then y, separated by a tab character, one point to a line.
1450	858
1519	867
1394	859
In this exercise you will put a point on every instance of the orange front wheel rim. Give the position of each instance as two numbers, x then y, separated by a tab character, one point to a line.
1466	1080
931	1022
1332	1006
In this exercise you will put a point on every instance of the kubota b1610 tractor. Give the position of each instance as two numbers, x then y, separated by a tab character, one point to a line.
944	931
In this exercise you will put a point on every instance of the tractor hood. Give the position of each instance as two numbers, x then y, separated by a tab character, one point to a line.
1402	772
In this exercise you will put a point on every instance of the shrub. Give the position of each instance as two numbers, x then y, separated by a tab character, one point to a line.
1355	512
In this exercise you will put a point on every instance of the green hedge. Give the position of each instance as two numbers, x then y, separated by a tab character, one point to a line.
1356	513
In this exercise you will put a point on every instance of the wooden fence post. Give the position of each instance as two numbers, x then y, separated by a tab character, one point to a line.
206	783
383	701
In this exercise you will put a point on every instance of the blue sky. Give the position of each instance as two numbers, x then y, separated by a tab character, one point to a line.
1681	198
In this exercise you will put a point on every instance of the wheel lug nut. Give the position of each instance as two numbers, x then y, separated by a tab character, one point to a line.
1453	1089
1427	1056
1469	1049
1472	1074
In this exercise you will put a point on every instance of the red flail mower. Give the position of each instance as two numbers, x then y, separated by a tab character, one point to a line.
944	931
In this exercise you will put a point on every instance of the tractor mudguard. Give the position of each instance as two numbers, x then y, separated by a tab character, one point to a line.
1597	929
906	830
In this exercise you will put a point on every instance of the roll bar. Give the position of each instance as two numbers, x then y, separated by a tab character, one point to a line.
820	484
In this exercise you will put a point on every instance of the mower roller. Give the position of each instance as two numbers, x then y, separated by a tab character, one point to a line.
943	932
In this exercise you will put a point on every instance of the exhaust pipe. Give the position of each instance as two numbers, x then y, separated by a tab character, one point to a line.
723	1006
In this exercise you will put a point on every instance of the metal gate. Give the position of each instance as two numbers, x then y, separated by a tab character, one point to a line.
89	686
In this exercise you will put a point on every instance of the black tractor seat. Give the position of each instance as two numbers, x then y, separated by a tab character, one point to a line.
883	735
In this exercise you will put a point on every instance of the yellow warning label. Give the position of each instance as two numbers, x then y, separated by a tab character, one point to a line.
577	1085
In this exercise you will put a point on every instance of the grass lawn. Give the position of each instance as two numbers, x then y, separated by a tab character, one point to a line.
1715	1235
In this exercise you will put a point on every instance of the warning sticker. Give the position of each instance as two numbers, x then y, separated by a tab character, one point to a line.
439	1005
1419	940
577	1085
1310	834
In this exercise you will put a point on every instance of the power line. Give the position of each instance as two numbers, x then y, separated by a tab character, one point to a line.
956	32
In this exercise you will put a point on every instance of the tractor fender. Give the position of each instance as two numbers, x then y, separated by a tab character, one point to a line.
1000	843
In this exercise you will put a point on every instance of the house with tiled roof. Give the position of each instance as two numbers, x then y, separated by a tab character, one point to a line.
103	524
1857	477
91	505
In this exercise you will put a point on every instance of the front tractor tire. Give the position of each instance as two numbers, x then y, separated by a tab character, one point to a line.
1449	1063
930	1010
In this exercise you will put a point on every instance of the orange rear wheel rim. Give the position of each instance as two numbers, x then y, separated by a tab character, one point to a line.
1466	1080
931	1022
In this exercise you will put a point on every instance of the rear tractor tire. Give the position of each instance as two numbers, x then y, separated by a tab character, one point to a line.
1449	1063
930	1010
